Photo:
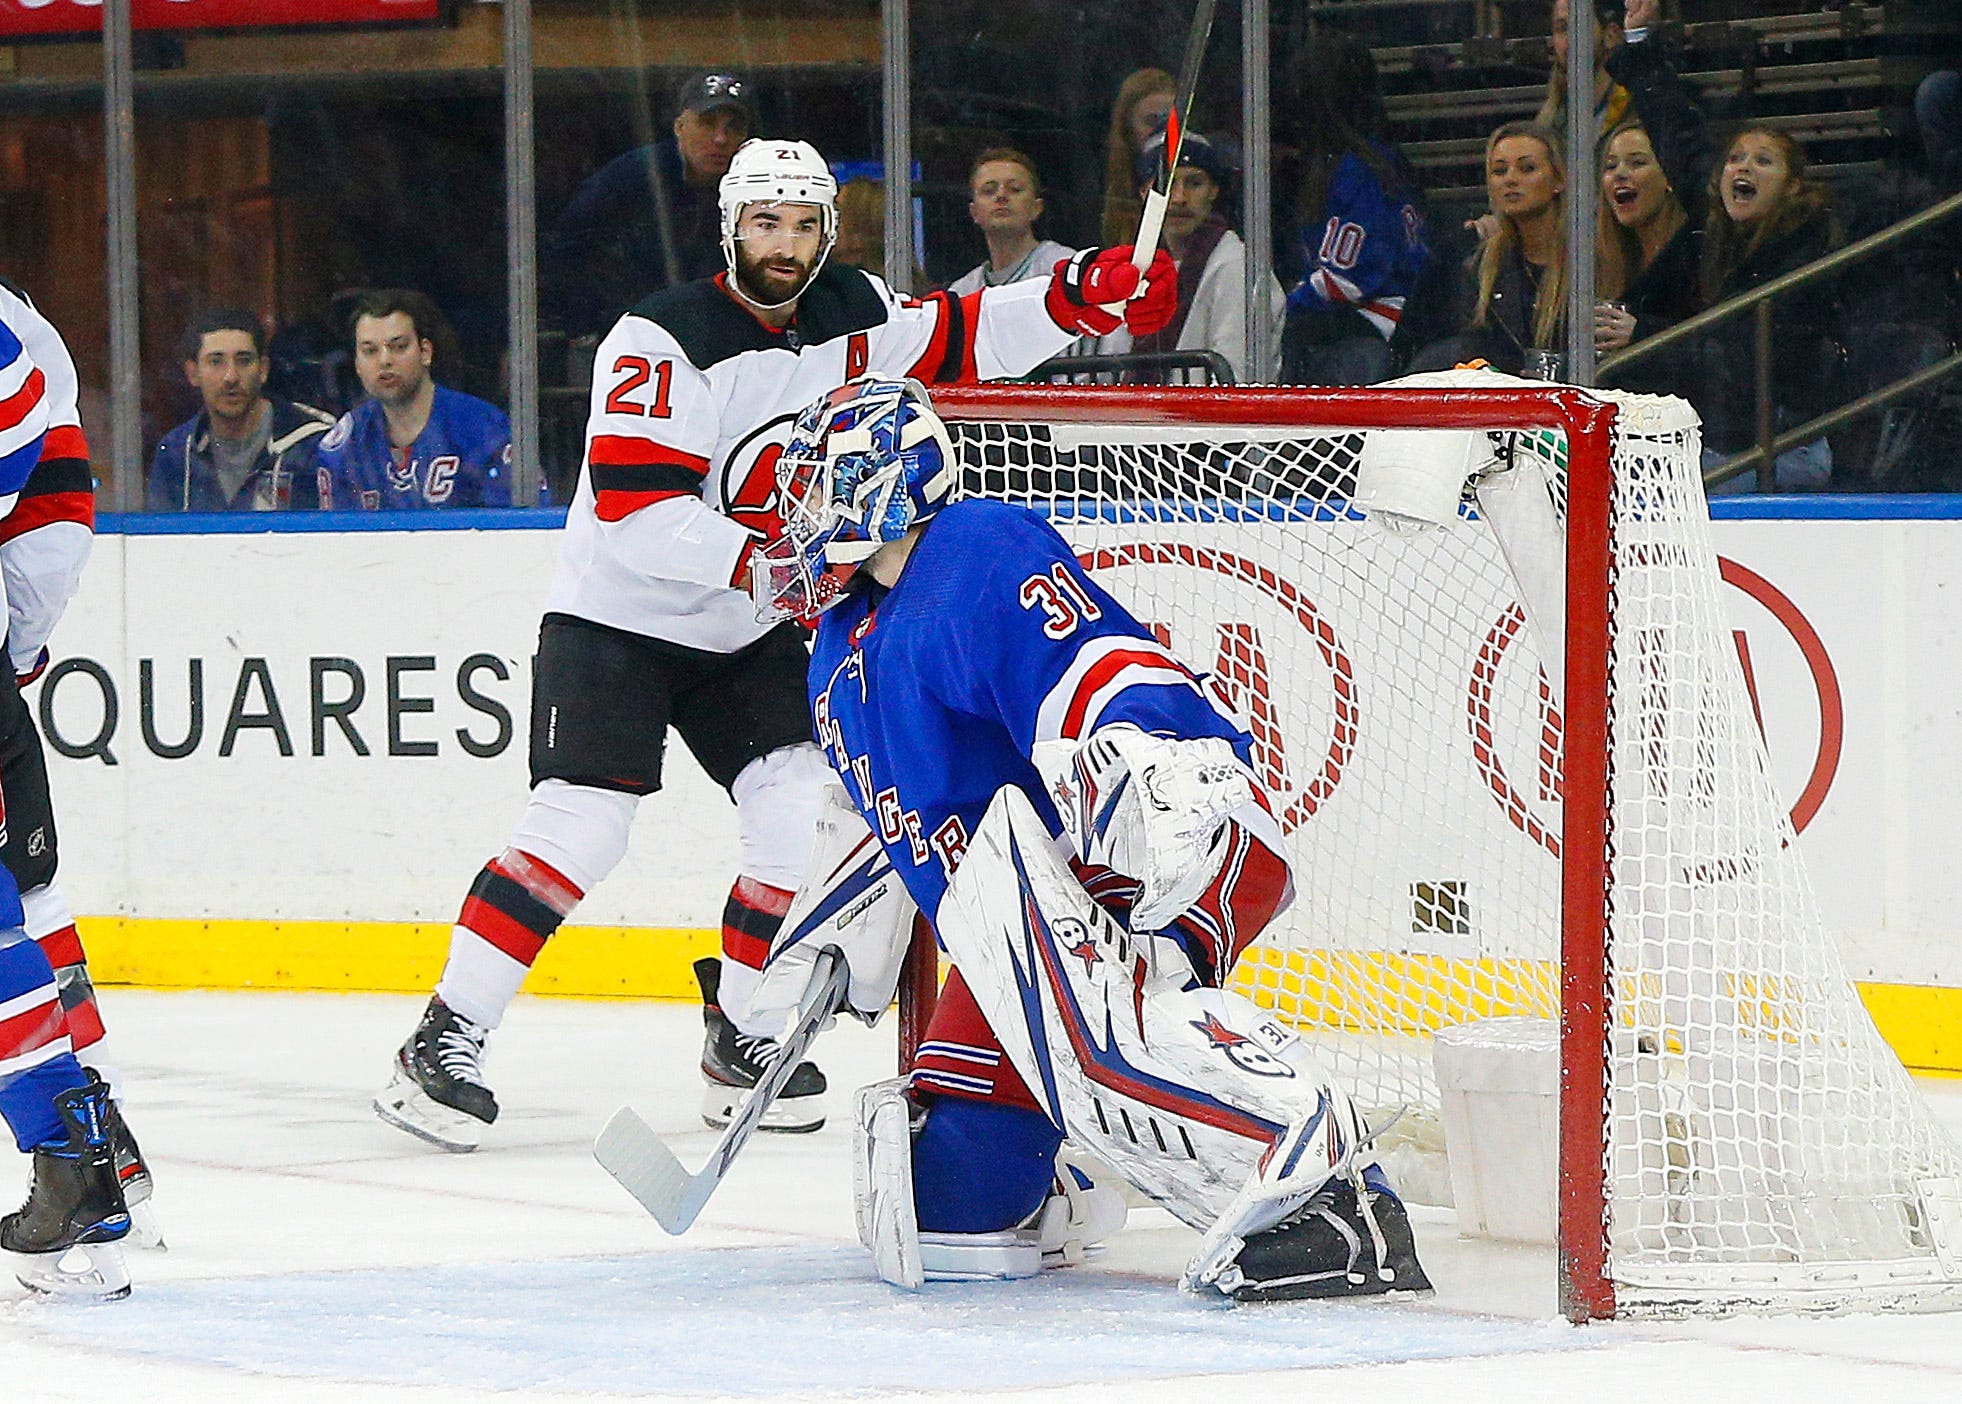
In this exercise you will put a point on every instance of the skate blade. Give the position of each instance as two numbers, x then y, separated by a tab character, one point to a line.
790	1116
88	1271
406	1107
145	1232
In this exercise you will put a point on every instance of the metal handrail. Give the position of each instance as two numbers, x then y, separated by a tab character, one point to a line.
1218	370
1770	444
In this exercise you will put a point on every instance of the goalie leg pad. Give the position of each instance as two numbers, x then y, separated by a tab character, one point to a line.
882	1181
1181	1091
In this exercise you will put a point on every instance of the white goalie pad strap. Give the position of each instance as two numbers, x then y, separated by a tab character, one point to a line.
1180	1091
852	899
1151	807
882	1181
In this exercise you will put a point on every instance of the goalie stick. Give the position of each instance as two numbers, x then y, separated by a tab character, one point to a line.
632	1152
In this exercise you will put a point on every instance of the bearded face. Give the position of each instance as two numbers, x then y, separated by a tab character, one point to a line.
777	251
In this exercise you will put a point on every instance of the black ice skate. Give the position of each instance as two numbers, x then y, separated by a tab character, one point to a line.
133	1173
733	1060
438	1091
1331	1248
63	1240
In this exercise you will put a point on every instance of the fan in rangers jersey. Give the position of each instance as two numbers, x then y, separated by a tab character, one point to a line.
1075	813
648	624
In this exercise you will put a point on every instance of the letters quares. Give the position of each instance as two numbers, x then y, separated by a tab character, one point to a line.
327	710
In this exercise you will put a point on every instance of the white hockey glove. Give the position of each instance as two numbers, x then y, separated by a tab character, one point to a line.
851	899
1151	807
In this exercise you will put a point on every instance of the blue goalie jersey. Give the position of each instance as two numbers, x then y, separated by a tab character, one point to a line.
930	697
462	458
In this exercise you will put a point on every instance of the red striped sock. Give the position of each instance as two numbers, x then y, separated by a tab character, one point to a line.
513	908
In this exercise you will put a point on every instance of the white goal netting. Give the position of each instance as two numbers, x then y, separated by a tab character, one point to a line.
1762	1144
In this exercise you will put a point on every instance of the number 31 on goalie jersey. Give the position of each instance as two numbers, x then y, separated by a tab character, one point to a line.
1065	604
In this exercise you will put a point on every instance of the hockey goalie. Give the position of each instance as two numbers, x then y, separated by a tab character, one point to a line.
1071	810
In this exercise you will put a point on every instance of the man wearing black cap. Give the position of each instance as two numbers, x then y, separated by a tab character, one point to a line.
647	219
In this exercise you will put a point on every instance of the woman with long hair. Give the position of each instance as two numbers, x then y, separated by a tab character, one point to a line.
1143	100
1511	294
1648	253
1356	232
1767	218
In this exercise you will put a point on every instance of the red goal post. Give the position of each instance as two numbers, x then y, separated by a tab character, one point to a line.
1659	1176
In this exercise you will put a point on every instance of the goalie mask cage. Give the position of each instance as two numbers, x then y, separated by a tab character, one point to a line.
1597	842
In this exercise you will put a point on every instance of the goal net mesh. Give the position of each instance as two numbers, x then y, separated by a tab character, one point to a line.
1761	1141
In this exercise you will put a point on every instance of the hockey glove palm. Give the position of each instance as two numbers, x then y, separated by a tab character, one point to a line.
1084	289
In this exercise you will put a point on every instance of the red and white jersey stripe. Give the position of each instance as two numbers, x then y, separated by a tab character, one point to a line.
1101	671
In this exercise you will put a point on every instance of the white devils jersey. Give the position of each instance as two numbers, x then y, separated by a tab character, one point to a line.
693	401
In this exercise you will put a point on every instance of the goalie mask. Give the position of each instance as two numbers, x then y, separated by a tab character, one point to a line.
777	173
864	465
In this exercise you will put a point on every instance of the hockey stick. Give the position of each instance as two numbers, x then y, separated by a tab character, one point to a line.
632	1152
1145	246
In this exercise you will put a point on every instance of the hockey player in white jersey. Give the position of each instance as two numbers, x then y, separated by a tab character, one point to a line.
648	625
1072	810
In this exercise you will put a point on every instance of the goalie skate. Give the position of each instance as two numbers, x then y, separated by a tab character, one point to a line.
1351	1239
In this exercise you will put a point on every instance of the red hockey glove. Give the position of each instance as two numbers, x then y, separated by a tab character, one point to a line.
1081	289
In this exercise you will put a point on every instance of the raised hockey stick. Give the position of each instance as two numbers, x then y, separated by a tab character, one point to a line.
1145	246
632	1152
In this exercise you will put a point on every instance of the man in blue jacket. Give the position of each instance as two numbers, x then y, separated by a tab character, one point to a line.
244	451
412	444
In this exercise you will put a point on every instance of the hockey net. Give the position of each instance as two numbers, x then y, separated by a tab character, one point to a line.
1477	835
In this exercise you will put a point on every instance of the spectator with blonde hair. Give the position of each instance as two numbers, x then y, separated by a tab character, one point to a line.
1512	292
1142	103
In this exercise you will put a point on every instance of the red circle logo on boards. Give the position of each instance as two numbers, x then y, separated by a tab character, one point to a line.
1516	756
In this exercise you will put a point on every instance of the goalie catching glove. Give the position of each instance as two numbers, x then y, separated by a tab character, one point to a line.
1157	809
1085	288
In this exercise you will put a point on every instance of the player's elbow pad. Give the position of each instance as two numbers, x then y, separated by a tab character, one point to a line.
1150	807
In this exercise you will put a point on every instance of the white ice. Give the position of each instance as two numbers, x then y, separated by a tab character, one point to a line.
317	1255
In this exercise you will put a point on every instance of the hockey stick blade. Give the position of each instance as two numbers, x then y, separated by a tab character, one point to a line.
630	1150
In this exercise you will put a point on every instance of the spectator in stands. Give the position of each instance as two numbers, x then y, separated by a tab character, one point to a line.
1655	172
1938	113
1611	100
647	219
1358	235
1143	101
243	451
412	444
861	240
1005	201
1512	292
1766	219
1211	259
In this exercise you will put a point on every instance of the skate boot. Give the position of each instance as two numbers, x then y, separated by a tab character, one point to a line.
1341	1243
133	1173
63	1240
732	1061
438	1091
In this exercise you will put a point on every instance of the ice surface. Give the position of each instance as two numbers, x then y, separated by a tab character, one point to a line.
318	1255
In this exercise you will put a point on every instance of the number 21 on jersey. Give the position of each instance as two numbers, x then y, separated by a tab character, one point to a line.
634	372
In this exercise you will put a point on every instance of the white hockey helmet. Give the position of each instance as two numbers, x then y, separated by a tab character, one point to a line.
776	173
